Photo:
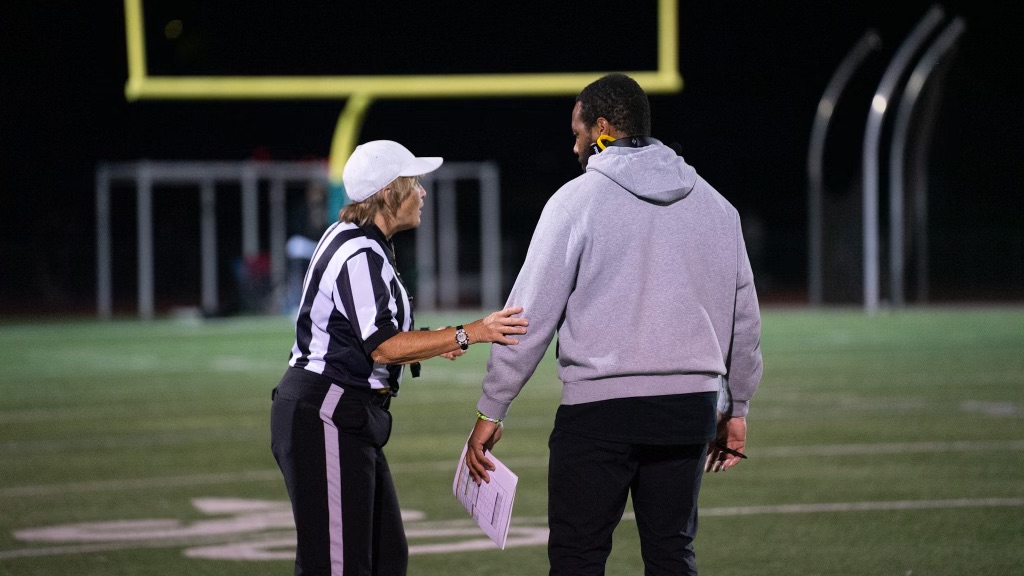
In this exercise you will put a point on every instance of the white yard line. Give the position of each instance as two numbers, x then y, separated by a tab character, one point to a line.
431	530
268	475
140	483
893	448
122	545
864	506
824	507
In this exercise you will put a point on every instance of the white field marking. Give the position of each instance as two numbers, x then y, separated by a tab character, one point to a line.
894	448
449	465
232	364
824	507
272	475
33	415
283	547
864	506
89	413
233	516
156	439
991	408
456	399
268	475
141	483
262	530
93	548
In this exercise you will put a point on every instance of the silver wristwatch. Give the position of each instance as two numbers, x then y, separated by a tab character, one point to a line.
461	337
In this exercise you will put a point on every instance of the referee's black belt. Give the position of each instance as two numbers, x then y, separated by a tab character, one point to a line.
381	398
319	384
377	397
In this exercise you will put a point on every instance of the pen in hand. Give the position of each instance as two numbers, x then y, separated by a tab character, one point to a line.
730	451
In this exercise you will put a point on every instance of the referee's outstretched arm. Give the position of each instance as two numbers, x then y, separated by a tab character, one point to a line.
414	346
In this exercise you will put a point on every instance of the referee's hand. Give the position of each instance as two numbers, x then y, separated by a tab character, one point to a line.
485	435
498	326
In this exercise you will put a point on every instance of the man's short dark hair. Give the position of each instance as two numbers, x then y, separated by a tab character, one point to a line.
618	99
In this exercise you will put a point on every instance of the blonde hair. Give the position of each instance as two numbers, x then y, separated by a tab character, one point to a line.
385	202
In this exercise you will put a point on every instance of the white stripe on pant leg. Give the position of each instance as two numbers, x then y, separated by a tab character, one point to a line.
333	456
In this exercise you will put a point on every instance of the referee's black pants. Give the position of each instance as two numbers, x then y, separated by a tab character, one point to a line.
327	441
588	482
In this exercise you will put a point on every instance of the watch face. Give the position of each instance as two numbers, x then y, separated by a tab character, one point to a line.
461	338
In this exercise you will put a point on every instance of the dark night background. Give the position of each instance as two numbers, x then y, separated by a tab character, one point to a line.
753	74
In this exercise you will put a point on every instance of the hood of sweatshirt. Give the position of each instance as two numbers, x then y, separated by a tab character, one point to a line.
654	173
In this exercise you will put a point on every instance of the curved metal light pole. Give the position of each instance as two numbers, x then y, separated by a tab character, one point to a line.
867	44
942	45
872	136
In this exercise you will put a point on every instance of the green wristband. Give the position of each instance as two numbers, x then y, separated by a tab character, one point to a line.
480	415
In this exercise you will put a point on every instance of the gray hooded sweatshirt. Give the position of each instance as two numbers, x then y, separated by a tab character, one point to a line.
639	266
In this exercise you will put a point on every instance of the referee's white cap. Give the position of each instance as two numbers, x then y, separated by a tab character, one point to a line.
376	164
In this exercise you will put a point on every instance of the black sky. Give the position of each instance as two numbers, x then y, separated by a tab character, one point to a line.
754	72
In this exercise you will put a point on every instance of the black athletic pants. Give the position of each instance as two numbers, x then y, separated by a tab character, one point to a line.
588	482
327	441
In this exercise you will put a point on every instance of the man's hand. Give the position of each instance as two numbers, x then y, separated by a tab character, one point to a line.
732	434
485	435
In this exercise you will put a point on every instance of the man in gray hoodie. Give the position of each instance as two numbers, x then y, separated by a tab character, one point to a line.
639	266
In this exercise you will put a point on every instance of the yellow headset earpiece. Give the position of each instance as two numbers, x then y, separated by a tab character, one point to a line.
604	140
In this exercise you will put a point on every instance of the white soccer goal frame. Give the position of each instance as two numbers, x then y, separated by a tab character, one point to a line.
438	278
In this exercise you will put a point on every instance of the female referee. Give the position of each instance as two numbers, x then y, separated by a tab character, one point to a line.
353	334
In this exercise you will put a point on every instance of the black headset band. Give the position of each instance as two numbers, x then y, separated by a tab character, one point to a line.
605	140
633	141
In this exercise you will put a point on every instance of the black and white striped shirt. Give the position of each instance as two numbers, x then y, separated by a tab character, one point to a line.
352	301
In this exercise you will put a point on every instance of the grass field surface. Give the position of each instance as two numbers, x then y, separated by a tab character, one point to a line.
891	444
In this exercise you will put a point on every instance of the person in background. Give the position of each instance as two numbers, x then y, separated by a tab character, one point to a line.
353	334
640	267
